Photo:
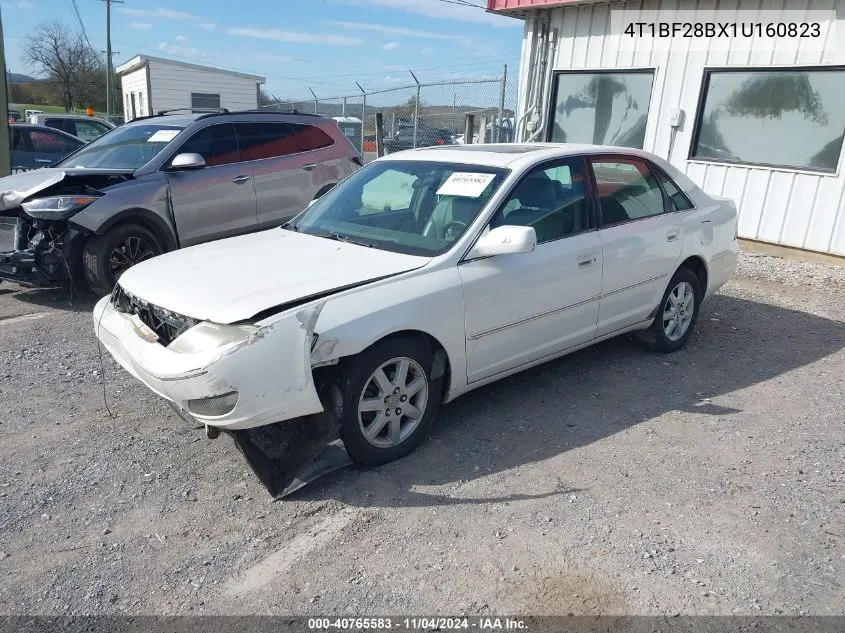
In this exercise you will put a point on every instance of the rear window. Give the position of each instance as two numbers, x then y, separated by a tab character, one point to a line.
266	140
309	137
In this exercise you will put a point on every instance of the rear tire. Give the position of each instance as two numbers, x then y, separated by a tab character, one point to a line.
676	316
106	257
389	401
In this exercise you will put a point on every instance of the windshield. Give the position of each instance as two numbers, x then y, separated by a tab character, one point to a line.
411	207
127	147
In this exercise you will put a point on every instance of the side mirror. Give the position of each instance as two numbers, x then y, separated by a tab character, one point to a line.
184	162
505	240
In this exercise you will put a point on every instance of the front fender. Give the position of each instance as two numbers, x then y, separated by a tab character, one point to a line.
430	302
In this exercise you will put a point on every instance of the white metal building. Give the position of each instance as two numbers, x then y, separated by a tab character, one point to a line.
758	119
151	84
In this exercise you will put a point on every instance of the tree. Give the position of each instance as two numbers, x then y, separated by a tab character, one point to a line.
66	58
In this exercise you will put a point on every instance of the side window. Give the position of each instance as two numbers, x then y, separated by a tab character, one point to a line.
553	200
390	191
49	143
60	124
18	141
216	144
265	140
627	190
309	137
677	197
88	130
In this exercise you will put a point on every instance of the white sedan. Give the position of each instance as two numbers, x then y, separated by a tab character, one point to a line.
422	276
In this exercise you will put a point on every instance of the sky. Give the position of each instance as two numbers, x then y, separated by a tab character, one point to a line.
326	45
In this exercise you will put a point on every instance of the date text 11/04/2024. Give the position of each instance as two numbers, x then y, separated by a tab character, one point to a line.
425	624
724	29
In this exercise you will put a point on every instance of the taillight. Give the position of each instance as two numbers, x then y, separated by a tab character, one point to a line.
440	141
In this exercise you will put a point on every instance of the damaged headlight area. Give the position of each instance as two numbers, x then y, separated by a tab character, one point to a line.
178	332
38	252
207	336
57	207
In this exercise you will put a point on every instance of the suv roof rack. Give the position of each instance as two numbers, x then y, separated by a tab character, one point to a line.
259	111
193	111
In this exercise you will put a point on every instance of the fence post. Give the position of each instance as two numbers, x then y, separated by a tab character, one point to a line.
501	125
363	116
315	99
469	129
343	112
379	135
482	129
416	108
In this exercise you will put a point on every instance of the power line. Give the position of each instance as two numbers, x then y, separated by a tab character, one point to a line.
82	25
464	3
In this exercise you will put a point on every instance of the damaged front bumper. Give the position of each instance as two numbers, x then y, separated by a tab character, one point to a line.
38	252
266	377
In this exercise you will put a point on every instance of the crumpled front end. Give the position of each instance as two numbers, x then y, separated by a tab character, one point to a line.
38	252
229	377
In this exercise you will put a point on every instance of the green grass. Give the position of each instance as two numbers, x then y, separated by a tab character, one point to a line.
51	108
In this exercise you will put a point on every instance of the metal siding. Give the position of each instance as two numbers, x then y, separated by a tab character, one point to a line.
173	85
806	210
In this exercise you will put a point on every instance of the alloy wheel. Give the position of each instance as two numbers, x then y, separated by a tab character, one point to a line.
393	402
678	311
132	250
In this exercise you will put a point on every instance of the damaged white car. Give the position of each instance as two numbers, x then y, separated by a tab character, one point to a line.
422	276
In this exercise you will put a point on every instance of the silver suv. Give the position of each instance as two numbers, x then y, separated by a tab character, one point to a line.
164	182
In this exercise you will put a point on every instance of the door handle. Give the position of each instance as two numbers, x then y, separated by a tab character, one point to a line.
309	166
705	221
587	260
241	179
672	235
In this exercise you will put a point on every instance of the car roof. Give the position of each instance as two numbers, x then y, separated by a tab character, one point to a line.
511	155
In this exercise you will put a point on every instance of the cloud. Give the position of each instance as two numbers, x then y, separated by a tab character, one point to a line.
208	26
292	36
141	25
25	4
391	46
426	50
182	38
182	51
392	30
444	11
161	13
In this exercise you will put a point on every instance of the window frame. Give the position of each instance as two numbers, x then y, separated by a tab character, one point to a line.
549	125
657	172
668	207
699	114
294	124
207	94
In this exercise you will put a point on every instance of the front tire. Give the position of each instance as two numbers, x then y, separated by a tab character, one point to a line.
676	316
106	257
389	401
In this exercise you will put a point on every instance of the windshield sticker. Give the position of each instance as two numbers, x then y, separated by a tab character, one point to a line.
465	184
163	136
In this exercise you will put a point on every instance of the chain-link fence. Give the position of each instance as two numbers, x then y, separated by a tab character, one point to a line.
420	114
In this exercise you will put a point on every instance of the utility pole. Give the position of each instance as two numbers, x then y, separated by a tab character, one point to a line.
5	142
109	93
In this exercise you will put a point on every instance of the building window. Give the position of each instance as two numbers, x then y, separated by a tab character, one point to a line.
783	118
603	108
204	101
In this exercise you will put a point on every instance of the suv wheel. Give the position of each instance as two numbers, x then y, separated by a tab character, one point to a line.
106	257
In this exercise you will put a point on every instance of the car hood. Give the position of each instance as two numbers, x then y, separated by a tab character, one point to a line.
16	188
235	279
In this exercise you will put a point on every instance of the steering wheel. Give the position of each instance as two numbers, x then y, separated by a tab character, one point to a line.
449	225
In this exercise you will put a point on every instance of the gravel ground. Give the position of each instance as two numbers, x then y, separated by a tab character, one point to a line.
613	481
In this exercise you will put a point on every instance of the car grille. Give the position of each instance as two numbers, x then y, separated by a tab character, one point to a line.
166	324
8	234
